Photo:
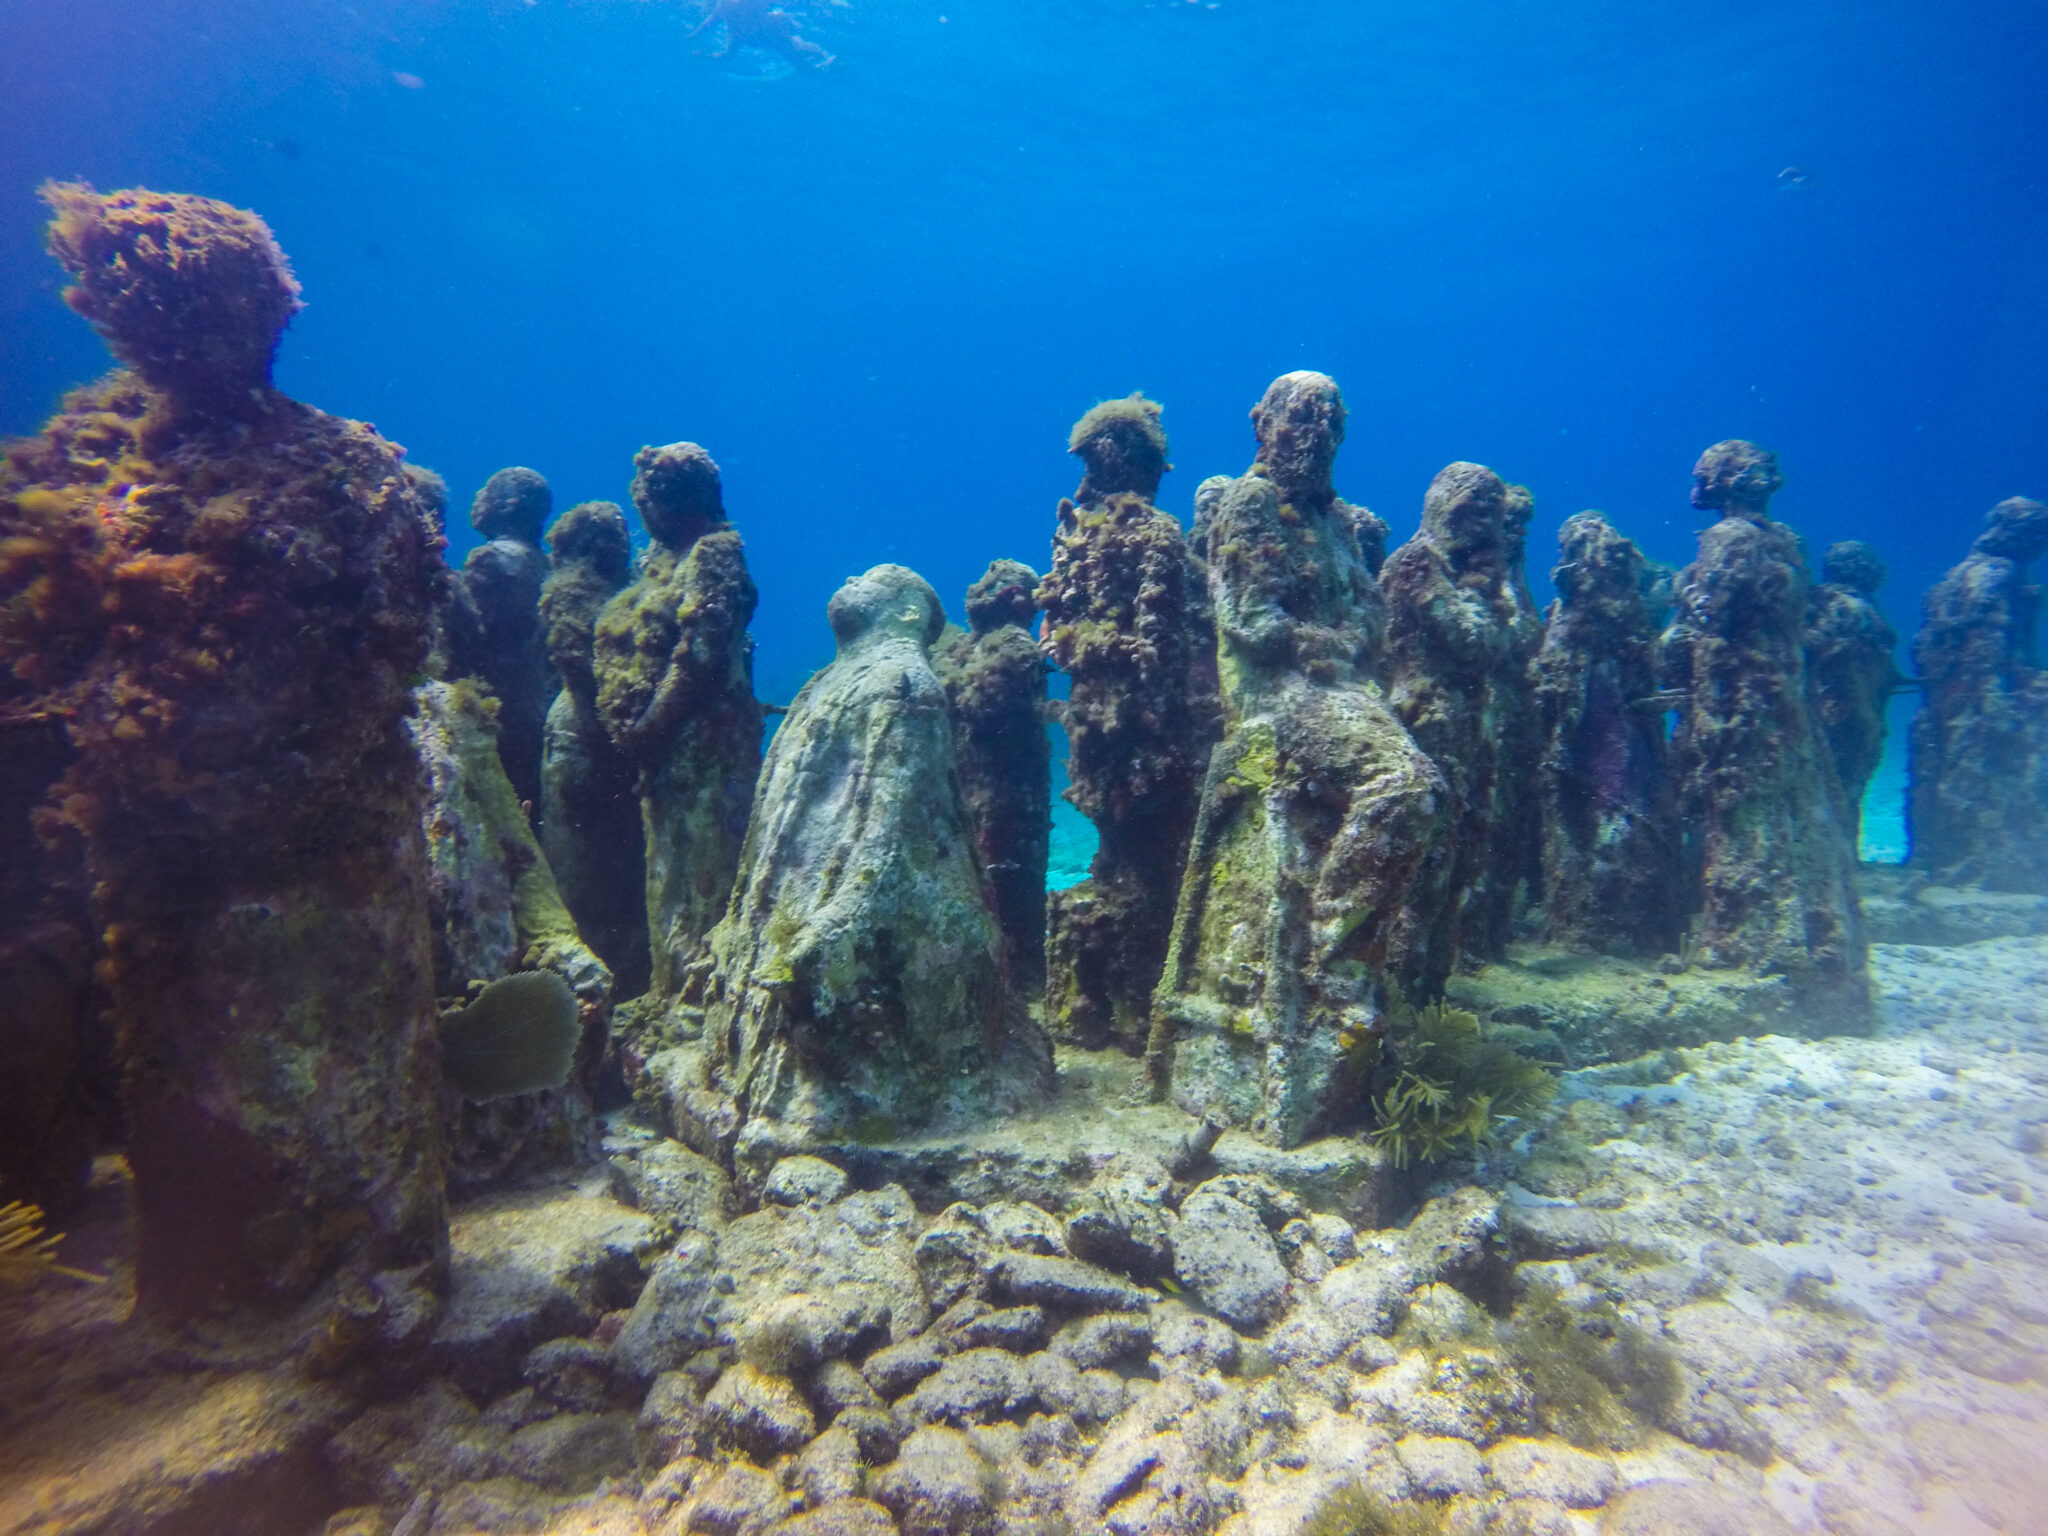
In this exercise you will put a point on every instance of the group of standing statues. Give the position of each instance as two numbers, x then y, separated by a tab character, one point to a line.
1324	776
281	793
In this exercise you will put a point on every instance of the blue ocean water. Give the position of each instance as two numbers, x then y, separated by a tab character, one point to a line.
1576	241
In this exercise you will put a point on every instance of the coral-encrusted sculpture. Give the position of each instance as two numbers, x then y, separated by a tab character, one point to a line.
1776	858
1979	797
191	293
1849	655
856	985
1321	829
495	909
494	626
675	687
1123	619
589	805
994	677
1612	876
228	610
1460	641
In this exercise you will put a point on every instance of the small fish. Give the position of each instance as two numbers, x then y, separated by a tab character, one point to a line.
1003	864
1167	1285
410	82
288	146
1662	700
1792	178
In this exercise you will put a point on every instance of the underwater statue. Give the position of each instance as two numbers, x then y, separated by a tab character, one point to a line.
856	984
493	625
1612	876
1462	634
1777	862
761	25
1318	855
226	596
1978	802
1850	647
589	802
1126	621
994	676
675	687
496	912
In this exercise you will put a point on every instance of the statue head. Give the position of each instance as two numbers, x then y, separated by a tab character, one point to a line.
593	534
887	601
1853	564
1124	448
1006	594
1300	423
2017	529
1736	479
514	504
677	492
1465	510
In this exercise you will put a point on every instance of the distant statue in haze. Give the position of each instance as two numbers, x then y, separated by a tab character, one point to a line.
763	25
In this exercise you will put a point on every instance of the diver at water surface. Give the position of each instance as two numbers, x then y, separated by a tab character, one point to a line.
763	25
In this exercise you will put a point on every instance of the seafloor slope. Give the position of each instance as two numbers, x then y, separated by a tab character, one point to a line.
1757	1286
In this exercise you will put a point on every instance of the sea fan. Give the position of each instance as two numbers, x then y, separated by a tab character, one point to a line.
26	1255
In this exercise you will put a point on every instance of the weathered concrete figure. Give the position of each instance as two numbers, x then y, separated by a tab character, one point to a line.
493	624
994	677
674	667
1461	636
1850	647
1979	796
231	594
1321	829
590	807
856	984
1777	863
495	909
1124	620
1613	880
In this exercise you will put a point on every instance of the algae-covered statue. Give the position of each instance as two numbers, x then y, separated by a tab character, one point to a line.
1777	863
856	983
1612	876
674	667
1319	844
1461	636
1849	654
1125	620
493	624
589	803
226	596
994	677
1978	804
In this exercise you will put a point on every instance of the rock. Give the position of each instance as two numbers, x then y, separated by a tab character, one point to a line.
858	1248
940	1485
397	1451
671	1420
1020	1330
841	1517
895	1368
1141	1482
735	1500
804	1181
671	1183
838	1385
1195	1342
1023	1228
1223	1253
878	1432
675	1314
1690	1509
571	1452
1117	1337
799	1332
759	1414
526	1266
570	1373
1065	1285
978	1386
1334	1235
954	1254
1122	1221
829	1467
1553	1470
1440	1466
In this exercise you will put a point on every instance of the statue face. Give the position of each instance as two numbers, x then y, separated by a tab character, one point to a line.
887	600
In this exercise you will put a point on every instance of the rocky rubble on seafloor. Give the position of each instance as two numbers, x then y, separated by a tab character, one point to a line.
1762	1285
